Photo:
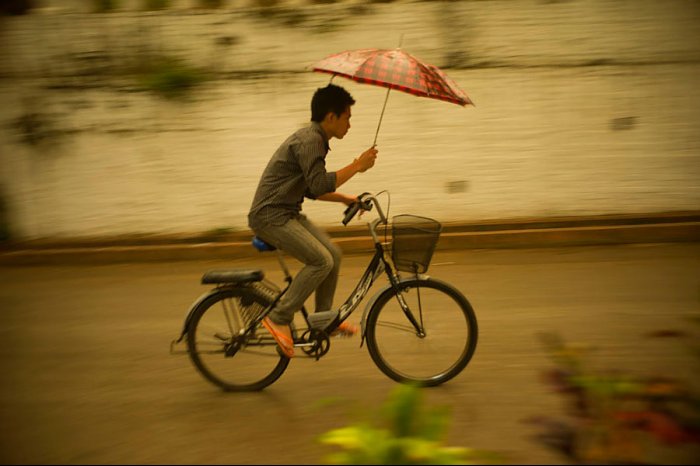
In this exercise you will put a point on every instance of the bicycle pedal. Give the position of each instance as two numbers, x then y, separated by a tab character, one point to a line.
304	345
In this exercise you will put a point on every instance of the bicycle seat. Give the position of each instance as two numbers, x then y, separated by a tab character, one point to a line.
239	276
261	245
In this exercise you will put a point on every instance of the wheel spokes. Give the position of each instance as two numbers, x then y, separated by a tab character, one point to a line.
404	327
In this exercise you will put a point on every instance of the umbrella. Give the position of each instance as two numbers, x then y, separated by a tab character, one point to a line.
393	69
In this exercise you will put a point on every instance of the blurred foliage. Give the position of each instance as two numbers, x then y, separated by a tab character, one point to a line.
105	6
406	433
169	77
4	218
217	234
616	418
152	5
292	16
16	7
210	3
35	127
265	3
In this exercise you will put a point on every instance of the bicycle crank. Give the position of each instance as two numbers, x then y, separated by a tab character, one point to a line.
315	343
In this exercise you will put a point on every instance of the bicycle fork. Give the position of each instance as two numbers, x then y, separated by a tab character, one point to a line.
420	330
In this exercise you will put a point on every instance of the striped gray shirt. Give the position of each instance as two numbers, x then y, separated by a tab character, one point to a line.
296	170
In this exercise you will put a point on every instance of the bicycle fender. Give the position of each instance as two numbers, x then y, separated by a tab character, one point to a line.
190	312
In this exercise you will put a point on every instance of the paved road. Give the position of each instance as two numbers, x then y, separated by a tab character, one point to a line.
87	377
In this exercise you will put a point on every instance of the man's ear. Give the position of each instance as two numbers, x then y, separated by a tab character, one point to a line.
330	117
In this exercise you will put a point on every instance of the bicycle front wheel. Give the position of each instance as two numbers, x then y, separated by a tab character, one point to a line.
221	348
432	349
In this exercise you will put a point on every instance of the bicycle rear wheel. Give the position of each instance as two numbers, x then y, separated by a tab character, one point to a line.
436	352
223	352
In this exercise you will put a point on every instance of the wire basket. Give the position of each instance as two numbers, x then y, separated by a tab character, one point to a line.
413	243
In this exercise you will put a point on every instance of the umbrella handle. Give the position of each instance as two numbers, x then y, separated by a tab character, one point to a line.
381	116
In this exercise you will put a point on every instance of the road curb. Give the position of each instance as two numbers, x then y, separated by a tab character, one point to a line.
454	237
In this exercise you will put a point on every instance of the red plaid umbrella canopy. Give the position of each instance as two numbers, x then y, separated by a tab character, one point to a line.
394	69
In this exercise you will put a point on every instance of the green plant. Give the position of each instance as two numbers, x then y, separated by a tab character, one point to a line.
406	433
210	3
615	417
170	78
35	127
156	4
4	218
16	7
216	234
105	6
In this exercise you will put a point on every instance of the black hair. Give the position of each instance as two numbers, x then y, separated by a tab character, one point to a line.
331	98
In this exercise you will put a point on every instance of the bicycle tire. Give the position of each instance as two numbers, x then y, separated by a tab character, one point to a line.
450	327
215	326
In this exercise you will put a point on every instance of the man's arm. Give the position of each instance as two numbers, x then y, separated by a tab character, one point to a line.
364	162
338	197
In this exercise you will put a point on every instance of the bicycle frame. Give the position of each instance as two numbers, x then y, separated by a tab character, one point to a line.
377	265
397	340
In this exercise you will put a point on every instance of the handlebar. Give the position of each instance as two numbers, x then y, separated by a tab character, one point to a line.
364	202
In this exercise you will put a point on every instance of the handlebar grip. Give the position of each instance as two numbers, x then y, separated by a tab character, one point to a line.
350	212
355	207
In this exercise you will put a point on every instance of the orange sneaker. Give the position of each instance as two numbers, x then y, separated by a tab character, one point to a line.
282	336
345	329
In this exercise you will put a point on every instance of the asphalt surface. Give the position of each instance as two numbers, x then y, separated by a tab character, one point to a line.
87	377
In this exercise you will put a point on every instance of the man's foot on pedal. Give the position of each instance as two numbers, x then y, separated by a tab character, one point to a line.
282	335
345	329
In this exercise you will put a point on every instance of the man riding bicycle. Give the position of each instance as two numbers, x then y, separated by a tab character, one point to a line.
298	170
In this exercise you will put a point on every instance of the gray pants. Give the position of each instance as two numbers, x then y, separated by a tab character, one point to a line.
321	258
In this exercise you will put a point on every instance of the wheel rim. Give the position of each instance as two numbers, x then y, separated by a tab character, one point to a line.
223	354
405	355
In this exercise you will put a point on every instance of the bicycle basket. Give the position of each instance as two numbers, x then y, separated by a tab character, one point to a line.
413	242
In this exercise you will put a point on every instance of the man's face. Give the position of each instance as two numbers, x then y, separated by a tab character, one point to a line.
340	125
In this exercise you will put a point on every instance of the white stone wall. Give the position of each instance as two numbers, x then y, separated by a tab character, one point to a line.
582	107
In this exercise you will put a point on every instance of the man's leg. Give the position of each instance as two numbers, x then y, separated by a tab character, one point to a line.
326	289
296	240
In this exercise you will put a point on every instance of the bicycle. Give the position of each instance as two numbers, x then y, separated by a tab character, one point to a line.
418	329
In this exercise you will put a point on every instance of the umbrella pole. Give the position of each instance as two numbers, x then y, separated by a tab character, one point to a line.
385	101
381	116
